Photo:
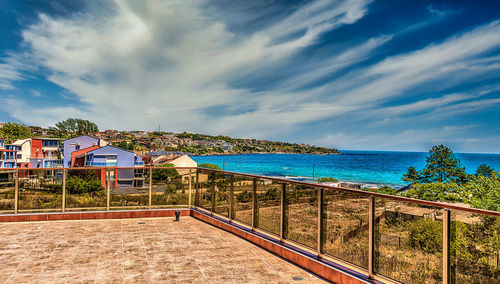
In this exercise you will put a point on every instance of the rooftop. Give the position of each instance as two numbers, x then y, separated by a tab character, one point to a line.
137	250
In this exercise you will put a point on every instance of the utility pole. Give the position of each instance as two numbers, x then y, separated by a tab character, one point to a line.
314	164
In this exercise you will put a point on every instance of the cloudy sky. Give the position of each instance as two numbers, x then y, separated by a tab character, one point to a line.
359	74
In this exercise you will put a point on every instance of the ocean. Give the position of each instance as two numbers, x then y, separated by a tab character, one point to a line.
377	167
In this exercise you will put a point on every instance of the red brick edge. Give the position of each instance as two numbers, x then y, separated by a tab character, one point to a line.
313	265
26	217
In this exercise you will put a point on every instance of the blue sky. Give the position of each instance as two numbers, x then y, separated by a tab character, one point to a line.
378	75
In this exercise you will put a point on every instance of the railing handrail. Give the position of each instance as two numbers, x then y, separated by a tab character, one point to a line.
441	205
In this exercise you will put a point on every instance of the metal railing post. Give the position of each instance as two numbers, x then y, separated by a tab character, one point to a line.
150	187
16	192
108	190
64	191
231	199
371	238
283	217
189	189
255	209
321	228
446	246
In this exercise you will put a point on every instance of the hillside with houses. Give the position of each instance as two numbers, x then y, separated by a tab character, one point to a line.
142	142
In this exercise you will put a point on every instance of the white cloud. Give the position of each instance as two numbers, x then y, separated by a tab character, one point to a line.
8	74
166	62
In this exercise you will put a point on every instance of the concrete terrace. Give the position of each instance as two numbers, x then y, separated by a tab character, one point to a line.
146	250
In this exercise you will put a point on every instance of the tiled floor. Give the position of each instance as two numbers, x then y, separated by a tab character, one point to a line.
155	250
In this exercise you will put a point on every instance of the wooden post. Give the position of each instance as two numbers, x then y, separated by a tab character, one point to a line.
16	192
212	198
150	187
371	238
64	191
196	190
321	227
255	208
108	190
446	246
231	199
189	190
284	214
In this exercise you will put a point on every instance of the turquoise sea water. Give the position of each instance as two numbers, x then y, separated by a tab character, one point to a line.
357	166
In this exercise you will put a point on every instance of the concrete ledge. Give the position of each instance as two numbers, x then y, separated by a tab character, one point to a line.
326	269
84	215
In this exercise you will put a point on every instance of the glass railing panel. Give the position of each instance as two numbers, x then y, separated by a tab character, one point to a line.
475	248
40	190
221	184
408	241
127	190
85	189
204	195
7	191
346	226
170	187
302	214
243	188
269	205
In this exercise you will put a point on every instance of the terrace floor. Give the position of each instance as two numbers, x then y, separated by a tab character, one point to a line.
152	250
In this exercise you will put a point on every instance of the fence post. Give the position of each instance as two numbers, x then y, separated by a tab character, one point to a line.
150	186
255	209
321	227
371	238
189	189
16	192
231	198
284	217
64	191
446	246
108	189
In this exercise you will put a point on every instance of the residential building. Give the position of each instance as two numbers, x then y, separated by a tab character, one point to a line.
23	147
8	158
2	143
86	151
77	144
45	152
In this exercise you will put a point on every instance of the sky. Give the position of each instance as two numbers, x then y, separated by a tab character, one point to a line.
358	74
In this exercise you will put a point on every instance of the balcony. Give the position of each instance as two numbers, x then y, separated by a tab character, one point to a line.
100	164
141	163
336	233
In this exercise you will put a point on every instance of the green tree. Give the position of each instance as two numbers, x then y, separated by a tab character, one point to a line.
125	145
164	175
442	166
483	192
484	170
411	175
13	131
76	126
436	191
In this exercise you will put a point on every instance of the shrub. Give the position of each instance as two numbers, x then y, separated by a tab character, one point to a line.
327	179
244	196
426	235
83	183
387	190
209	166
